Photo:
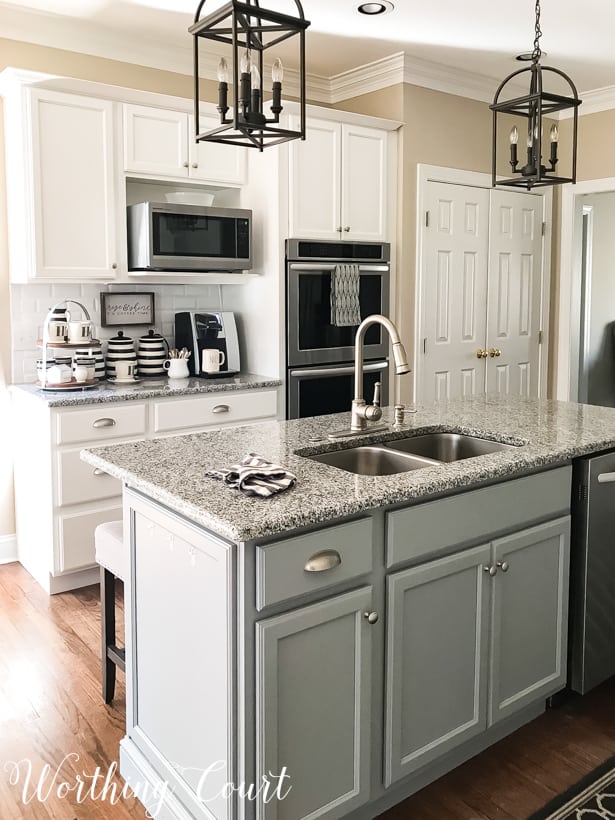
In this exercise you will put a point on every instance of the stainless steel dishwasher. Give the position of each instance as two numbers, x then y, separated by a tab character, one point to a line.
592	573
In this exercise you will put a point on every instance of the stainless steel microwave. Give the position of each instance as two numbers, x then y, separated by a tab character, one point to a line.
170	237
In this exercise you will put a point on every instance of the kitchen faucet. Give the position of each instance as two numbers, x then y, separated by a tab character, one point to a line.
361	411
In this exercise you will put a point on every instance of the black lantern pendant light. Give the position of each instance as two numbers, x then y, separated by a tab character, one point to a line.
249	30
537	104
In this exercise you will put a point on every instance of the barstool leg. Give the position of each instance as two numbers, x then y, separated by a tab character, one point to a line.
107	600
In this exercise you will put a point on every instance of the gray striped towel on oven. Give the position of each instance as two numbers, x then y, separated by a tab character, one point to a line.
345	307
254	475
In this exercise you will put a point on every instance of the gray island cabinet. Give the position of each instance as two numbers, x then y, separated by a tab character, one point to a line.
328	651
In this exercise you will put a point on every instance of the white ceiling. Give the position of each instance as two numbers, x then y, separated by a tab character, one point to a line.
479	36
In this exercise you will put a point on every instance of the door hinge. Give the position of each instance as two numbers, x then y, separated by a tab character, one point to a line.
543	229
540	337
425	345
426	219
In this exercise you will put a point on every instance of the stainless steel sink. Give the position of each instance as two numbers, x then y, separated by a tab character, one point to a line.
448	446
373	460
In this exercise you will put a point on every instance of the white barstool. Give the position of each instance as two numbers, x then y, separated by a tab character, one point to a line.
113	560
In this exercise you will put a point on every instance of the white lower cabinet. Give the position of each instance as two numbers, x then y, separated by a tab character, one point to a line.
471	639
60	500
313	707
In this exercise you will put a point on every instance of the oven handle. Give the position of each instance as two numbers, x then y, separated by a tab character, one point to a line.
339	371
315	267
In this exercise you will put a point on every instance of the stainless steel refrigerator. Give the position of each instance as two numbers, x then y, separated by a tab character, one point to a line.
592	567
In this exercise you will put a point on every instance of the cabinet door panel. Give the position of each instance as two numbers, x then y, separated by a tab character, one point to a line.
315	178
313	707
73	181
437	618
530	616
364	183
212	161
155	141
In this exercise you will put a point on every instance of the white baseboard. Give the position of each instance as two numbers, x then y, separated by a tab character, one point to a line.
8	549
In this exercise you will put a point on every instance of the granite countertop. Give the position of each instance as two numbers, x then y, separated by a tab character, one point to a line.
172	470
146	389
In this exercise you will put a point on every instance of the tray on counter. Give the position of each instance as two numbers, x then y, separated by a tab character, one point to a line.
69	345
71	385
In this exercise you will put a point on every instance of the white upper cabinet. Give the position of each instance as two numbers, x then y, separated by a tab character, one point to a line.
63	220
338	182
160	143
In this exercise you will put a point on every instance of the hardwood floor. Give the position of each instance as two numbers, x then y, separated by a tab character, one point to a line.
51	705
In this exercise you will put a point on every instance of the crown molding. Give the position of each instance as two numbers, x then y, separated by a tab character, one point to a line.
601	99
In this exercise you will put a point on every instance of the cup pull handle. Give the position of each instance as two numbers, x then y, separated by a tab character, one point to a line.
107	422
323	561
98	471
221	408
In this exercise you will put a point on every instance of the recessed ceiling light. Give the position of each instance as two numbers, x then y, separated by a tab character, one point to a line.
383	7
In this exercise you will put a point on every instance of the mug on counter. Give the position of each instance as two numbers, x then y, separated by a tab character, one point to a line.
79	331
212	360
125	371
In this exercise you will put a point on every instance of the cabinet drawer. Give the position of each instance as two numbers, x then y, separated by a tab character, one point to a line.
335	554
104	421
76	536
78	481
217	408
427	529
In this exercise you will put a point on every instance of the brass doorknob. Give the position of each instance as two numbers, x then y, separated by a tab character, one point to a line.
481	354
494	352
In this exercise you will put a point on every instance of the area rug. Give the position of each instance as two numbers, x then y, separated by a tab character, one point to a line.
591	798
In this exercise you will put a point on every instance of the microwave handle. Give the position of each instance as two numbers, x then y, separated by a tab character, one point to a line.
316	267
316	372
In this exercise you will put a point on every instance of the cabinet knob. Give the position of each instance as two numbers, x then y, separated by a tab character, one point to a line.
98	471
491	570
481	354
323	561
494	352
503	565
107	422
347	229
114	266
195	164
186	165
371	617
339	230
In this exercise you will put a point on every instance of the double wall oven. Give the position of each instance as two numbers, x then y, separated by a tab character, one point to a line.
320	355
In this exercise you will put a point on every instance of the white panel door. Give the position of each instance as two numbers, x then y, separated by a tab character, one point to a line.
364	183
454	291
213	161
314	181
155	141
514	301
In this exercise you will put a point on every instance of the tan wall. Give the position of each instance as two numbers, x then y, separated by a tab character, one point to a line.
85	67
439	129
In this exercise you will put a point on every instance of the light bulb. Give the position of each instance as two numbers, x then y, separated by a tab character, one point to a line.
514	135
223	71
530	140
244	63
255	75
554	133
277	71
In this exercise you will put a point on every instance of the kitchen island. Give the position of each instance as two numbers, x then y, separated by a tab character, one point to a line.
338	646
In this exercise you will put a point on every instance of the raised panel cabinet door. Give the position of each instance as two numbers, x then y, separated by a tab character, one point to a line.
364	183
530	617
454	291
155	141
313	694
212	161
515	293
74	186
436	669
314	180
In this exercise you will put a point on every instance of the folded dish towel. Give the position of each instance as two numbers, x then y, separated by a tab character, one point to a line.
345	307
254	475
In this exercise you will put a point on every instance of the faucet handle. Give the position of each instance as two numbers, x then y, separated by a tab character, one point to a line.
376	399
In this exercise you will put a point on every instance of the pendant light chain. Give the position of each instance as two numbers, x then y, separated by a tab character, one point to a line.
537	53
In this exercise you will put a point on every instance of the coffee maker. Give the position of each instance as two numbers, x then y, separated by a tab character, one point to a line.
208	330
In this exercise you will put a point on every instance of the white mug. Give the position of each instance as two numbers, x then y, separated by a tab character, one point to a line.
212	360
125	371
177	368
57	330
81	372
79	331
